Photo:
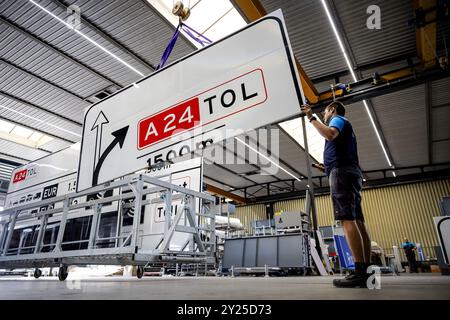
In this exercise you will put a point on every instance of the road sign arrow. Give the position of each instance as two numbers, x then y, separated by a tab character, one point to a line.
98	126
119	138
101	120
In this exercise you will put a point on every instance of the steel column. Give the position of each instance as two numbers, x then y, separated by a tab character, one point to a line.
137	190
10	231
62	226
94	224
41	234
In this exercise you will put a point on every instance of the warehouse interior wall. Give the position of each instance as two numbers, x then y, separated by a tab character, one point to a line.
407	211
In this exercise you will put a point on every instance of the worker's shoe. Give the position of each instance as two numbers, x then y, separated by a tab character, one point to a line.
352	281
357	278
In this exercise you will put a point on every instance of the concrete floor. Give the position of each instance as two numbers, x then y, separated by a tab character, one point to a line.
212	288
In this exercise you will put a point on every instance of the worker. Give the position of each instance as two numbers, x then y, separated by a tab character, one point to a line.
341	165
410	252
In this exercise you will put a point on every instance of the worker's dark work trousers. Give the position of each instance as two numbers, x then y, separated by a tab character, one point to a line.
411	261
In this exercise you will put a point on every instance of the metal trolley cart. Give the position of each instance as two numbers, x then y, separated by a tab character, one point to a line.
51	246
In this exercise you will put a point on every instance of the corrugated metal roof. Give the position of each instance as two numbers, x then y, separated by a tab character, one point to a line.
402	117
394	38
441	151
35	57
27	153
440	123
136	25
311	36
440	93
443	37
440	116
42	25
19	84
6	171
218	173
55	145
37	114
370	154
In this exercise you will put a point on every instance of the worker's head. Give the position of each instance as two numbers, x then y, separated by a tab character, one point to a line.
333	109
405	239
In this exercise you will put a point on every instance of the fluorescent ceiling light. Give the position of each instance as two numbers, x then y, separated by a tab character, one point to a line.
22	132
39	120
350	68
226	25
87	38
22	135
76	146
214	19
268	159
6	126
377	133
36	136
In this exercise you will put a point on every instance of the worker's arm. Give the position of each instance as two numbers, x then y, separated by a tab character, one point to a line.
329	133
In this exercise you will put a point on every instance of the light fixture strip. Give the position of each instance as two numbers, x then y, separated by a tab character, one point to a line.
350	68
88	39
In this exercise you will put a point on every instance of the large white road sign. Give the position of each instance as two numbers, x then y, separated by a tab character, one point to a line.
242	82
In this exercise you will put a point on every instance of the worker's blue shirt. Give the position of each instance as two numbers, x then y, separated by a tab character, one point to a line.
342	151
408	245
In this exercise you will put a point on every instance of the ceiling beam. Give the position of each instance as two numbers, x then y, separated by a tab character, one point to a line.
32	105
227	185
425	19
366	66
233	172
212	189
428	119
54	49
405	179
253	10
25	146
35	76
13	157
390	82
199	153
10	163
247	161
285	164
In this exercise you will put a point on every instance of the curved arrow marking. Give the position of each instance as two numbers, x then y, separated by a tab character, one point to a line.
119	138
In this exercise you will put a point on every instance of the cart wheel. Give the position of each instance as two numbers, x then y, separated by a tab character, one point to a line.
37	273
62	273
140	272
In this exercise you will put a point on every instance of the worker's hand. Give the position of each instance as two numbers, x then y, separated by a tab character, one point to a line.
319	166
306	109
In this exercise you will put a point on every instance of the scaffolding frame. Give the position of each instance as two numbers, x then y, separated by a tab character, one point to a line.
201	248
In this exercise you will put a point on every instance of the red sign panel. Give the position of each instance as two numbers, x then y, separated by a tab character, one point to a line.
162	126
20	175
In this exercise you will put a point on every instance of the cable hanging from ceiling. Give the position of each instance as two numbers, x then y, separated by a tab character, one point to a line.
183	12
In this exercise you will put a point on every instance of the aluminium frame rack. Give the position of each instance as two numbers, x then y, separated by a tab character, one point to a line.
201	248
